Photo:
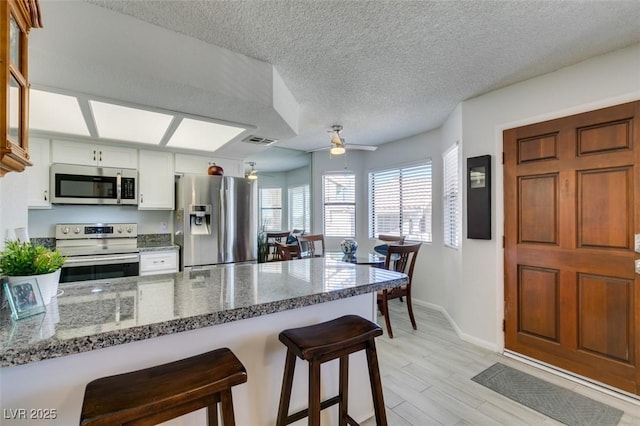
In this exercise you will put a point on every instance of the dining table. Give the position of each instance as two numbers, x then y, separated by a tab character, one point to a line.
364	258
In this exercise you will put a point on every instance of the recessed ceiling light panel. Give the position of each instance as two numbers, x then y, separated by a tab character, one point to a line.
54	112
129	124
203	135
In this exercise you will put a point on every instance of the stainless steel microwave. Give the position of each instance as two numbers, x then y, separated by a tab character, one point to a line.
72	184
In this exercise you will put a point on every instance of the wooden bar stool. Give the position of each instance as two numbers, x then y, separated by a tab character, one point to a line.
163	392
321	343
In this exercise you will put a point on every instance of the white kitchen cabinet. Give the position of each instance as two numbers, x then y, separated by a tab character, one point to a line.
187	163
156	301
159	262
88	154
38	174
155	180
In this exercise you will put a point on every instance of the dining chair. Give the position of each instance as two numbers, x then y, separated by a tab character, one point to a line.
287	251
307	245
273	253
400	258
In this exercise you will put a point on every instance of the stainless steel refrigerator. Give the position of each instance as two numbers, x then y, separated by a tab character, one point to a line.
215	220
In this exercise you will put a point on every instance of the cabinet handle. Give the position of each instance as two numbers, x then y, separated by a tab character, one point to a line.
141	198
45	195
158	261
94	155
100	159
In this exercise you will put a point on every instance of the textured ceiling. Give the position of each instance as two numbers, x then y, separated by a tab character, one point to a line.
391	69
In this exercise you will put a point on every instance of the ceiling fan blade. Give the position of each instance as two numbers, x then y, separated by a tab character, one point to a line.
360	147
348	147
336	139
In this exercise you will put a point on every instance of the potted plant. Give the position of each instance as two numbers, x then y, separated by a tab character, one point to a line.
21	260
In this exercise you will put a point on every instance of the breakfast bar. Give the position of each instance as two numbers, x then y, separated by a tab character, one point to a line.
105	327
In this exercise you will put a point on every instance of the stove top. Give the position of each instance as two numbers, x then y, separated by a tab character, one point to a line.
80	239
75	231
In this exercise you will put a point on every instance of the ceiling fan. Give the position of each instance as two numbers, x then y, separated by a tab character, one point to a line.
253	173
338	145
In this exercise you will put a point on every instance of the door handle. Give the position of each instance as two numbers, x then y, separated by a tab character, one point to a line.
118	187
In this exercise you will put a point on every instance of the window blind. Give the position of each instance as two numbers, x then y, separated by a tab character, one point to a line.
339	196
400	202
451	198
271	209
299	210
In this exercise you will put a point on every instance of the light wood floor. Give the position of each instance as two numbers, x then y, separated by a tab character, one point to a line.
426	378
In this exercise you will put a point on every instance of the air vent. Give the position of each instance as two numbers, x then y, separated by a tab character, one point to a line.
259	140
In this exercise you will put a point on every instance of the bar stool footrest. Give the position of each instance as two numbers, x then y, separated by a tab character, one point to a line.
304	413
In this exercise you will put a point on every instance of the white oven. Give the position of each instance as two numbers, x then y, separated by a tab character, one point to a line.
98	251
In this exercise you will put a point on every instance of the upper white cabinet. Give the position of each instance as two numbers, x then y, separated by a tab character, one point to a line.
155	180
38	174
89	154
187	163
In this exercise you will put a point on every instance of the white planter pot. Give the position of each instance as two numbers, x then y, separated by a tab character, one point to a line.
48	284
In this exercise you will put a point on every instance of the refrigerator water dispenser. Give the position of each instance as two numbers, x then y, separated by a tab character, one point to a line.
200	219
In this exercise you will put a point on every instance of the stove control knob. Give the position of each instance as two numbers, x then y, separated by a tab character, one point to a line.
77	230
119	229
129	229
65	230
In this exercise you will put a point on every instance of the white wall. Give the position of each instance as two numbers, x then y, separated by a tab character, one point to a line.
599	82
468	283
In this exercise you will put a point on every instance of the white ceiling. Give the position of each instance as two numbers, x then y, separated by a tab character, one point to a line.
385	70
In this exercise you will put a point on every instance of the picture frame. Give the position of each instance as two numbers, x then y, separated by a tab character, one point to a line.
24	298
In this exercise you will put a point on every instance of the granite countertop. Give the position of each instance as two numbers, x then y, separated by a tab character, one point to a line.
91	315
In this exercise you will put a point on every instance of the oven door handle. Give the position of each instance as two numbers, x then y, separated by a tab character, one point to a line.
100	260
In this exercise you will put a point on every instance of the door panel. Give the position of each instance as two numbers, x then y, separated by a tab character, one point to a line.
538	209
603	213
539	302
572	187
604	325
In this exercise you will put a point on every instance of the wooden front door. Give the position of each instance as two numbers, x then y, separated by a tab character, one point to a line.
572	298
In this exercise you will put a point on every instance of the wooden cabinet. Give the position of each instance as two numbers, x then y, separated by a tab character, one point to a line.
88	154
17	18
38	174
155	180
187	163
159	262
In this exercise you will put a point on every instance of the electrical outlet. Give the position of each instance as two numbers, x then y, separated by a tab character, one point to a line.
163	227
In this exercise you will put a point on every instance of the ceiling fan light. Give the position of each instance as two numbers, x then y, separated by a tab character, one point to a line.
337	150
252	176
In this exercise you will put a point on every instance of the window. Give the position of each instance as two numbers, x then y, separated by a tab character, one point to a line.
299	217
271	209
339	195
400	202
451	198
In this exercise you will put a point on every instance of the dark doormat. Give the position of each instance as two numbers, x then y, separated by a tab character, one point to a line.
560	404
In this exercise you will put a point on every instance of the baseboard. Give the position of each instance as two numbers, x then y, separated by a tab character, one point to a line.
463	336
